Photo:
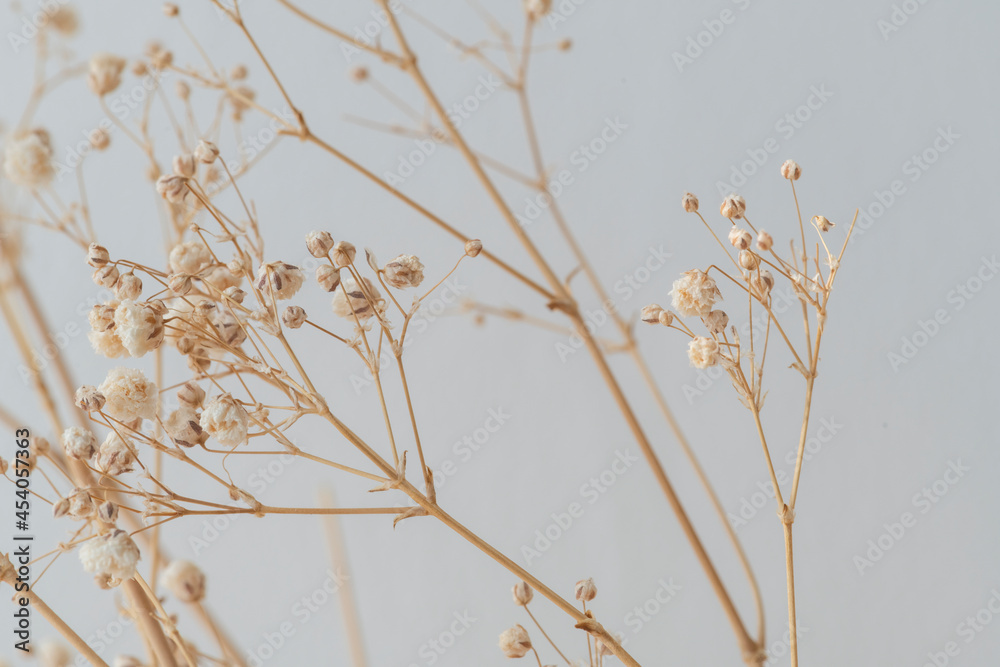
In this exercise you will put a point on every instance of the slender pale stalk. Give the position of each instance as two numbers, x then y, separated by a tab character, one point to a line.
150	626
348	602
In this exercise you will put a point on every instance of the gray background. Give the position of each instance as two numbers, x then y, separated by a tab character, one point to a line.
898	428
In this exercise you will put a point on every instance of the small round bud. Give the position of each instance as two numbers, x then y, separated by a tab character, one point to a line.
404	271
822	224
105	73
206	152
358	74
99	139
762	284
703	352
319	244
651	314
689	202
473	247
328	277
238	72
515	642
565	44
522	593
129	287
89	399
180	283
190	394
733	207
182	90
184	165
97	255
764	241
234	294
717	321
537	8
791	170
79	443
185	580
172	188
586	590
107	512
106	276
282	280
740	238
170	10
343	254
666	318
294	317
749	260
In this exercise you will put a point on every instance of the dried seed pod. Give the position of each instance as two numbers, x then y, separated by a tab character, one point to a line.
206	152
515	642
128	287
404	271
522	593
651	314
184	580
184	427
234	294
328	277
666	318
180	283
107	512
284	279
294	317
585	590
822	224
190	394
319	243
749	260
764	241
89	399
97	255
689	202
115	458
473	247
343	254
791	170
716	321
740	238
733	207
106	276
172	188
105	73
184	165
170	10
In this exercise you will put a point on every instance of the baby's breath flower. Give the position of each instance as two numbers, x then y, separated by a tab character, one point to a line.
404	271
822	224
790	170
106	276
343	254
537	8
703	352
294	317
221	278
53	654
740	238
80	504
184	427
64	20
107	344
716	321
206	151
180	283
749	260
190	394
105	73
113	553
102	317
128	287
689	202
226	420
115	458
97	255
473	247
284	279
350	299
328	277
185	580
28	159
139	327
107	512
666	318
586	590
130	394
172	188
762	284
184	165
319	243
764	241
694	293
189	257
733	207
651	313
79	443
515	642
234	294
522	593
89	399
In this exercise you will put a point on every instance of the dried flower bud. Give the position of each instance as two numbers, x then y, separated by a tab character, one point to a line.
64	20
763	283
131	395
101	317
651	313
106	276
206	152
180	283
60	509
138	327
113	553
28	158
182	89
822	224
740	238
128	287
107	512
189	257
586	590
234	294
717	321
226	420
89	399
238	72
689	202
537	8
764	241
473	247
328	277
790	170
404	271
184	427
97	255
358	74
105	73
284	279
184	580
515	642
351	300
115	457
190	394
79	443
749	260
694	293
733	207
184	165
161	59
343	254
319	243
99	139
172	188
170	10
666	318
522	593
294	317
81	505
703	352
